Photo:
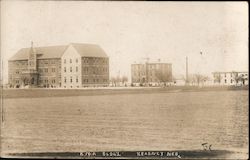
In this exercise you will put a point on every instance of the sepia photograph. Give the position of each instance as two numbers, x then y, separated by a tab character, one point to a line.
124	79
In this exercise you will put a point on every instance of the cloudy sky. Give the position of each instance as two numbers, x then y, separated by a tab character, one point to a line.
131	31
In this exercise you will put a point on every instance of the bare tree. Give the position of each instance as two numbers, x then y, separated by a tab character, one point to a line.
239	78
124	79
217	77
197	79
25	80
113	81
163	77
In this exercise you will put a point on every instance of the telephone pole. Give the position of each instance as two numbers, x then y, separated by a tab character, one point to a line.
187	71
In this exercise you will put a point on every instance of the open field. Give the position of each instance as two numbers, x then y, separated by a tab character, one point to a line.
45	92
157	121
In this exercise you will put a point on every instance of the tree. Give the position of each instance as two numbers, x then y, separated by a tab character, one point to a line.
25	80
163	77
240	78
113	81
217	77
124	79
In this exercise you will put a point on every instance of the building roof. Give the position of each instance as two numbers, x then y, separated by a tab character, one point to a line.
85	50
89	50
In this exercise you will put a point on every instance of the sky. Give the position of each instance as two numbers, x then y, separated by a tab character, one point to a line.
130	31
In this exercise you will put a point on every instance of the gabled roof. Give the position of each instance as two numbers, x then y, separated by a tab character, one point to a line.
89	50
85	50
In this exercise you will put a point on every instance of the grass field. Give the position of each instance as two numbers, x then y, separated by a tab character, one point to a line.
141	121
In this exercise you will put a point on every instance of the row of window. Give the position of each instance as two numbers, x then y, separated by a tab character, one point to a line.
47	81
95	70
231	74
40	62
72	79
230	81
95	60
41	81
70	69
94	80
87	60
70	61
41	70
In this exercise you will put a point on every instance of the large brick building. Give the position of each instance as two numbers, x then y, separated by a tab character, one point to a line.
66	66
151	73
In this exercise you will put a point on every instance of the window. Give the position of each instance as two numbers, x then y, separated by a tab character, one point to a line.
76	69
52	62
53	69
225	81
40	70
64	60
71	80
70	69
65	79
53	81
64	69
231	81
46	70
76	79
76	60
70	60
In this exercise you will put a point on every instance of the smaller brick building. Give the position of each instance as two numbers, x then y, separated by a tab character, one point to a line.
151	73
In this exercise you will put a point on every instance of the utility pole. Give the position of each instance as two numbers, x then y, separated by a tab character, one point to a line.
187	71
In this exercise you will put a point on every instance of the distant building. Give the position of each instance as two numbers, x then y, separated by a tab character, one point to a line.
151	73
66	66
230	78
179	80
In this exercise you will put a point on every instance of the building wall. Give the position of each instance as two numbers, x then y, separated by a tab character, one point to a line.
138	73
143	73
95	71
49	72
15	71
71	69
228	78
